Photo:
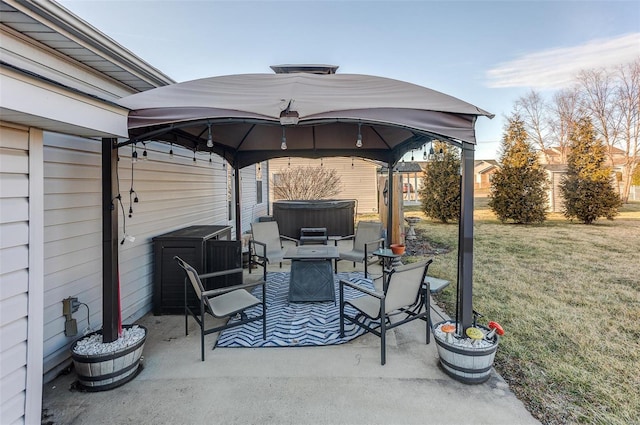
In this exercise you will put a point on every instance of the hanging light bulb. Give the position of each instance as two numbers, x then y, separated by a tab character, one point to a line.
171	152
412	156
210	159
134	154
283	145
431	153
209	137
145	155
359	139
424	154
351	162
194	156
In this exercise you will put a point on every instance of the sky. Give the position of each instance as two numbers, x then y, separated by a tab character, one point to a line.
487	53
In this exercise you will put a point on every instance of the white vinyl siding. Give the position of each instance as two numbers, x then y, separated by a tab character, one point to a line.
172	193
18	288
251	211
358	182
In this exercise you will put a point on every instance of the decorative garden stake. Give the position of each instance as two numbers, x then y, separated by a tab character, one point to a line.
475	334
495	329
449	330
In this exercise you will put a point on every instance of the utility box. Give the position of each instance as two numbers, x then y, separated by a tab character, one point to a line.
206	248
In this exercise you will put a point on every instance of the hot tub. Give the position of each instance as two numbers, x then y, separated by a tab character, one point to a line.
337	216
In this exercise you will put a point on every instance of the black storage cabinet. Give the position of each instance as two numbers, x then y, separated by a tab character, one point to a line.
207	249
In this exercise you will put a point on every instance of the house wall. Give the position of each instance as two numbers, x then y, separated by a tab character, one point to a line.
358	182
172	193
20	273
251	210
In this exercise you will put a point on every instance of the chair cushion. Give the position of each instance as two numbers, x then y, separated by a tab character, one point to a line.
232	302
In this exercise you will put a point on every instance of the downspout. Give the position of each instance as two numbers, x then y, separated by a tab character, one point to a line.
110	284
465	239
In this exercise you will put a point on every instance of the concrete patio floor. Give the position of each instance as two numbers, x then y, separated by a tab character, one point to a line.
341	384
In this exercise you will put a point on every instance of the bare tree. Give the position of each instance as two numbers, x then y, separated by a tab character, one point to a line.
534	112
628	97
564	112
306	183
599	100
610	99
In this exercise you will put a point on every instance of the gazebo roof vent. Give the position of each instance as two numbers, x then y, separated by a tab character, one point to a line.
309	69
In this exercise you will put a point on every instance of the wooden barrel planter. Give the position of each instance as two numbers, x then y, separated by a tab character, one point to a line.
466	364
102	372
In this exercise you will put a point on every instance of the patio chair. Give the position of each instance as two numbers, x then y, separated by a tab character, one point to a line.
406	293
366	240
221	303
266	245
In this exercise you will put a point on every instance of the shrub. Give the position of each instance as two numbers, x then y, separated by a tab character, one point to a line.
440	193
519	187
587	188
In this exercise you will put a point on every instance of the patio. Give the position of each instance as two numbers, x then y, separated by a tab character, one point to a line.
339	384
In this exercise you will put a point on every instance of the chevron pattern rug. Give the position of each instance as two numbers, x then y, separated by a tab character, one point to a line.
296	324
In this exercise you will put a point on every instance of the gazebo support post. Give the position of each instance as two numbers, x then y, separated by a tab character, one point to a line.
110	284
236	183
390	165
465	239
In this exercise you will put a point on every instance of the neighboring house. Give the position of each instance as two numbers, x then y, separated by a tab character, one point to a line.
411	173
61	80
616	158
483	170
553	155
358	178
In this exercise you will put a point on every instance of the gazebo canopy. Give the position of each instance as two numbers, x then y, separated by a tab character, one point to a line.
255	117
249	115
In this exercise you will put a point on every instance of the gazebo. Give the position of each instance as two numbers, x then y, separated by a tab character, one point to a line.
311	112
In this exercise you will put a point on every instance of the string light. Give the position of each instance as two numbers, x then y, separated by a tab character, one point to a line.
171	152
145	155
283	145
359	139
209	137
194	156
134	154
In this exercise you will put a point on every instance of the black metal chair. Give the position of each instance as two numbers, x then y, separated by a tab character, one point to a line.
366	240
406	292
266	245
221	303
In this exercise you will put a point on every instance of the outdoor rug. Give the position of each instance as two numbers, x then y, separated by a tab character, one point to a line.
296	324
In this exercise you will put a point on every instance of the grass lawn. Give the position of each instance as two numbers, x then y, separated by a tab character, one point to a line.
568	297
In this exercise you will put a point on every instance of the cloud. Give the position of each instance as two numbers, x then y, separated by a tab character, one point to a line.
557	68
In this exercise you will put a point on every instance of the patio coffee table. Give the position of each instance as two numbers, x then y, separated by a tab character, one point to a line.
311	273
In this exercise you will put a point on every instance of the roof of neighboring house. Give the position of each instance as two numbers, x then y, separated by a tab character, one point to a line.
404	167
487	165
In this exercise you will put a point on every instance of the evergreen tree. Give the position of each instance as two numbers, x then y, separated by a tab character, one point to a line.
519	187
587	188
440	193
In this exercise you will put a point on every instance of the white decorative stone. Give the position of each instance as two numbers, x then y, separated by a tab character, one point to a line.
92	345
